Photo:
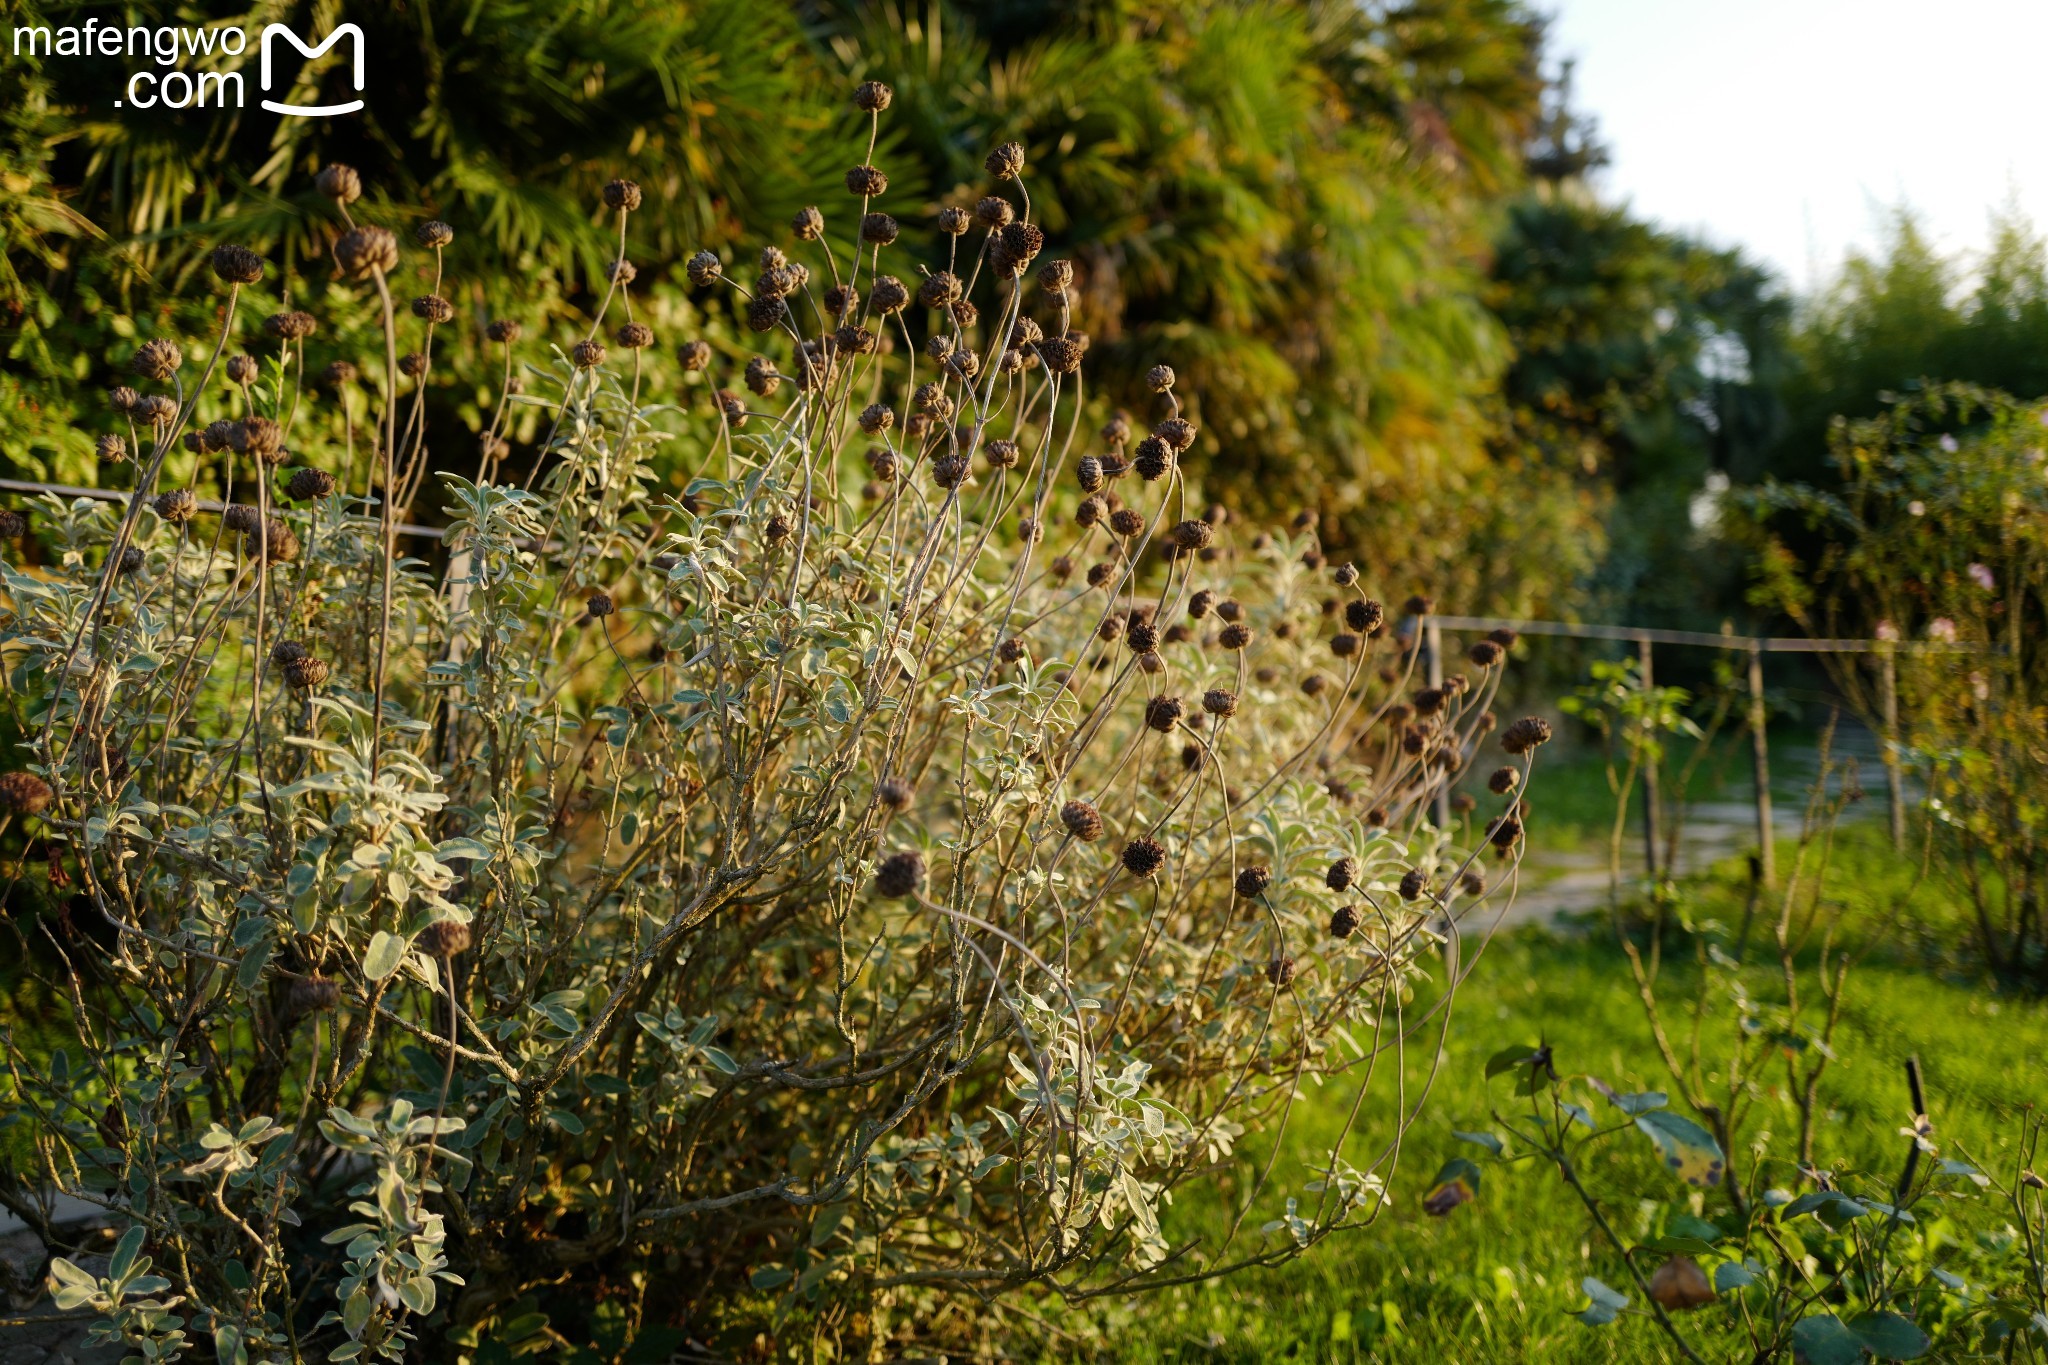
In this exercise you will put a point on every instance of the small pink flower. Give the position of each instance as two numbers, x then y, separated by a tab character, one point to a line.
1981	576
1942	629
1948	443
1887	631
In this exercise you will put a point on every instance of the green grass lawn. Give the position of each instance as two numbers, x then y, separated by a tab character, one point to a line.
1495	1280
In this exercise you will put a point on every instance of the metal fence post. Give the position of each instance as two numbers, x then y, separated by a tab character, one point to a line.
1433	642
1760	752
1653	802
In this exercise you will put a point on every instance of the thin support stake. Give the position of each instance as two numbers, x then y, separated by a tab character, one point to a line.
1888	706
1653	798
1760	752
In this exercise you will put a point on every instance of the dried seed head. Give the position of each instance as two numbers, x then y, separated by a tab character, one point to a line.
306	673
1152	459
877	418
414	364
277	544
841	299
433	308
1220	702
1280	971
444	938
901	875
121	398
1364	615
242	370
339	183
1484	653
110	449
1201	604
1056	277
1235	636
365	251
808	224
240	517
1503	637
761	376
295	325
178	506
994	212
158	359
1089	474
1503	832
1003	454
778	529
889	295
1193	534
340	372
1429	701
1117	430
949	471
1252	881
865	182
1023	241
1060	354
939	290
433	234
598	606
703	268
1007	161
284	651
1473	882
157	410
1504	780
1143	857
1230	609
131	560
732	407
1127	521
310	485
1343	874
1082	820
587	354
1159	378
877	230
237	264
1344	921
1418	605
23	793
694	355
1345	645
1161	713
1413	884
634	336
872	97
954	220
260	438
1525	734
622	194
314	994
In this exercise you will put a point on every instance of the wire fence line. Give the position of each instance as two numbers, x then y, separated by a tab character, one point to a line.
1884	652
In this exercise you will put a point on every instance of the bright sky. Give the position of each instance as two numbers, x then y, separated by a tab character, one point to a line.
1789	126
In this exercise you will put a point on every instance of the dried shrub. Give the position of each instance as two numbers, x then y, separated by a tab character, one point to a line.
798	885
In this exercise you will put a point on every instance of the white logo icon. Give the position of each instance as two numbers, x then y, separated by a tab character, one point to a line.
349	31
